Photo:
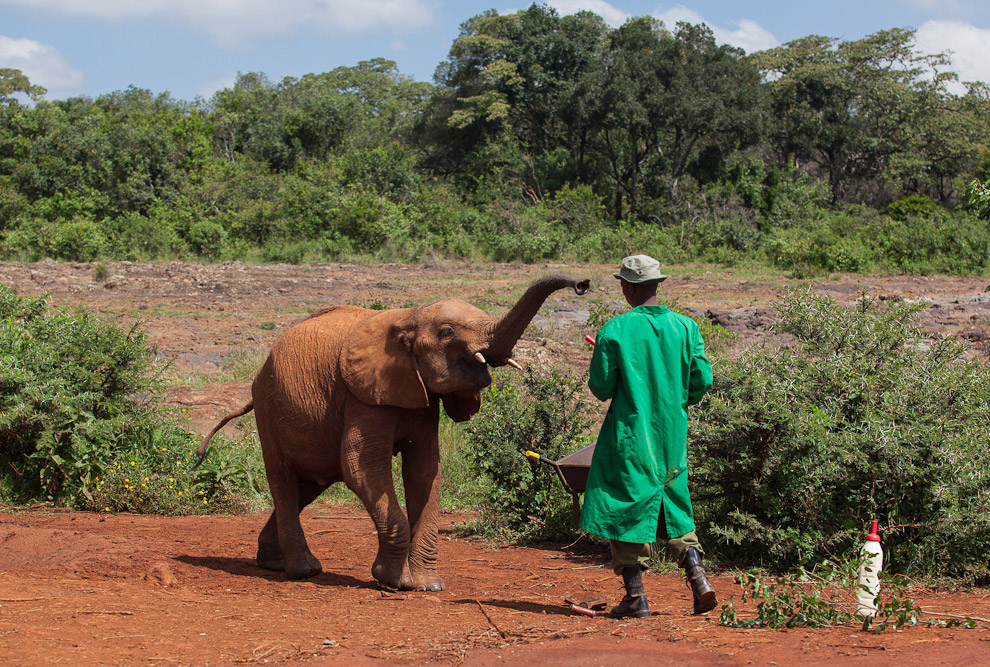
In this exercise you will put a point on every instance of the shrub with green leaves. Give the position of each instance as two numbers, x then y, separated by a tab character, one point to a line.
978	197
825	597
82	424
794	450
545	413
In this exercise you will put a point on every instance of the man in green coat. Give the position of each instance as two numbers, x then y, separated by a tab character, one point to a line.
651	363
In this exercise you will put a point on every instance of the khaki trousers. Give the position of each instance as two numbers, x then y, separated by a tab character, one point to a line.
625	554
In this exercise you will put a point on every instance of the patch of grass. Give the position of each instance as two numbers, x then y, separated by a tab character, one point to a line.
462	490
241	365
230	480
825	597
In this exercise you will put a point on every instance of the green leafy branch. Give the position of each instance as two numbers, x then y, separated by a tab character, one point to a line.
825	598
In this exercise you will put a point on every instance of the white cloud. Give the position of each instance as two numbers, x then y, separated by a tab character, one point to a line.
206	89
612	16
750	36
969	46
234	23
746	34
42	64
678	13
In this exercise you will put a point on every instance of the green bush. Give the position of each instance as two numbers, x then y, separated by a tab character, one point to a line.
78	240
545	413
383	170
834	245
136	237
794	451
956	243
367	220
81	424
978	197
208	238
524	233
911	207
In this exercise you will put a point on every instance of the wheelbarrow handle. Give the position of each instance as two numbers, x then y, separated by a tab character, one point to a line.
538	457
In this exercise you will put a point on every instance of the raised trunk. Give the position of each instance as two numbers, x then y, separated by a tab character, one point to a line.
507	331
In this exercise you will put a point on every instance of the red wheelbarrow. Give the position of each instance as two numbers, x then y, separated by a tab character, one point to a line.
572	471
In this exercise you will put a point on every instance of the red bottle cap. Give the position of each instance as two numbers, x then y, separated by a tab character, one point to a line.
873	536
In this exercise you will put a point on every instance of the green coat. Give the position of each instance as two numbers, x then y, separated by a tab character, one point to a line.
651	362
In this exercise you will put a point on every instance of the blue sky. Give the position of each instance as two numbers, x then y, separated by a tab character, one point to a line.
194	47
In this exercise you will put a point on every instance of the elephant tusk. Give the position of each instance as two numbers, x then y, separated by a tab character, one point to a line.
480	358
514	364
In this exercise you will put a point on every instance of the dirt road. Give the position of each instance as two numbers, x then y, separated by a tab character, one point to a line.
86	589
89	589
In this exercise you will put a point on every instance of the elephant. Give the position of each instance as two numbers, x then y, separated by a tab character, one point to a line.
345	390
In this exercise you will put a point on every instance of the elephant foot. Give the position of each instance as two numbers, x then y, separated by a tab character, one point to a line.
404	580
390	577
303	568
273	564
271	559
427	581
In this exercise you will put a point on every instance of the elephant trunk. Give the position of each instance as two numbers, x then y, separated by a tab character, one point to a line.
507	331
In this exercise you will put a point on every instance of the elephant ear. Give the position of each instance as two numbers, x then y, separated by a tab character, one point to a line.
377	363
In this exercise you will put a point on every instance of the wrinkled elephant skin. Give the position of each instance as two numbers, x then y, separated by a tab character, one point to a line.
349	388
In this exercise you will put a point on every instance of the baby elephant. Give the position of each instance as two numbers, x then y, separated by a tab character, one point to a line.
349	388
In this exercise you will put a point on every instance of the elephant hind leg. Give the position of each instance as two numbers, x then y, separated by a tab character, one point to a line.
270	555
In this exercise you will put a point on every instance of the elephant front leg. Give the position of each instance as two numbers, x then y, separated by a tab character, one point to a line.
421	478
366	458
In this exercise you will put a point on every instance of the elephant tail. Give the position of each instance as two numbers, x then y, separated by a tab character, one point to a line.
201	451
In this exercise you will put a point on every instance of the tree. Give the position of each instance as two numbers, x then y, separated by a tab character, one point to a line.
661	98
310	118
511	83
852	110
573	95
13	81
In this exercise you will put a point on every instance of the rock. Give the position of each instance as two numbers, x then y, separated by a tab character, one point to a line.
161	572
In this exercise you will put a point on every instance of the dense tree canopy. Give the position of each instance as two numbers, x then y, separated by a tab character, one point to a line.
544	136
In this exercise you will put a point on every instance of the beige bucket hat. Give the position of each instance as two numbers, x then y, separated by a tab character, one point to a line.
640	269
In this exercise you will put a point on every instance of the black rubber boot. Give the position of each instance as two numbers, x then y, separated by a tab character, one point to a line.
704	592
634	604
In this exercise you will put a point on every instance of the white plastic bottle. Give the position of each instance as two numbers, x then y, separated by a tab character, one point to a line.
868	586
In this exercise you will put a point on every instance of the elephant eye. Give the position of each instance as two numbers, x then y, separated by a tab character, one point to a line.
446	332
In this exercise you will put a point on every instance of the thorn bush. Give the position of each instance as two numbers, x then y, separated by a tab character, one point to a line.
546	413
82	423
795	449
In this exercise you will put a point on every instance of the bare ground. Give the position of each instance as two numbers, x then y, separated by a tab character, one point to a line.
81	588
